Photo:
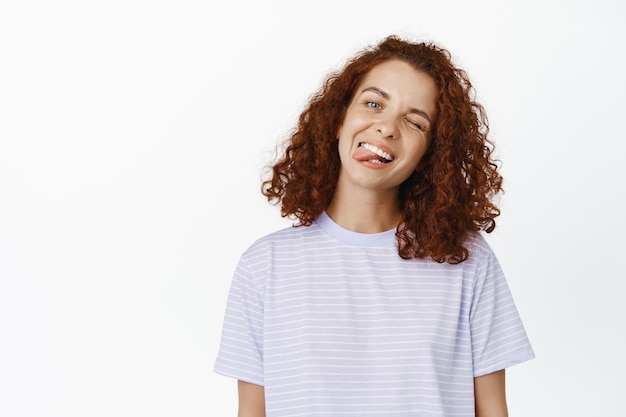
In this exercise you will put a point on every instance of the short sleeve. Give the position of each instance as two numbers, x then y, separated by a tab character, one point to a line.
241	349
498	336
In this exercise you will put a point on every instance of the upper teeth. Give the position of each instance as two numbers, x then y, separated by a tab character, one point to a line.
377	151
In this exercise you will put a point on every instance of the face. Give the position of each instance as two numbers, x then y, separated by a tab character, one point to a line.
387	127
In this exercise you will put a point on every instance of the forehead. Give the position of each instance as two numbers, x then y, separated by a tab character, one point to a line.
398	71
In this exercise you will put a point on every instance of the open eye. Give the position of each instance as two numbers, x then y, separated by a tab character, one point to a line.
373	105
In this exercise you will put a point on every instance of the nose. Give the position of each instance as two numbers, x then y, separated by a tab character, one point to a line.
387	128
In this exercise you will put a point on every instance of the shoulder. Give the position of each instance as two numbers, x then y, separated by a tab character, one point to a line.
282	240
481	255
478	246
256	260
482	262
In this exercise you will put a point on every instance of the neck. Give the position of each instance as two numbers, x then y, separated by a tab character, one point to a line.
365	213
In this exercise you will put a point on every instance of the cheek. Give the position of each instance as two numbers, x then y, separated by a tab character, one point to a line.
422	161
418	154
353	122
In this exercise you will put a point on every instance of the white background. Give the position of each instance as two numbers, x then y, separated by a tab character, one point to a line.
132	139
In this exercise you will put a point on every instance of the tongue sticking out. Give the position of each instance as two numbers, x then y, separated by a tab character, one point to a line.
362	154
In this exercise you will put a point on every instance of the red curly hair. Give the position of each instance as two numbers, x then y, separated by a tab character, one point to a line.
451	193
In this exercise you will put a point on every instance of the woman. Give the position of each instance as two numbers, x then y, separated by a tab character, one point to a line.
385	300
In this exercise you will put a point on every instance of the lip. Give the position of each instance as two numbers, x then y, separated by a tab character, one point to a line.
374	165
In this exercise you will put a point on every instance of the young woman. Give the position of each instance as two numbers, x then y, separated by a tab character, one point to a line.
385	299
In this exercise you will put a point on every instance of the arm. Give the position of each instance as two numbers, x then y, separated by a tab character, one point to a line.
251	400
490	396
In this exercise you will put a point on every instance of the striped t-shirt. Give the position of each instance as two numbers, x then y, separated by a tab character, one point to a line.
334	323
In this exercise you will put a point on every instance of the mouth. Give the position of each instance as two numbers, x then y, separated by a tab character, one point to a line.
375	154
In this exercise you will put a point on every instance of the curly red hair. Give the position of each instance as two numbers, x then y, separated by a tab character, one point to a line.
451	193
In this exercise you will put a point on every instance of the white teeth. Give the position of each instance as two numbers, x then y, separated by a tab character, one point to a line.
377	151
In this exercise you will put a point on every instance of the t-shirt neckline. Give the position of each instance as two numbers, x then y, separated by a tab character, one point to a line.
355	238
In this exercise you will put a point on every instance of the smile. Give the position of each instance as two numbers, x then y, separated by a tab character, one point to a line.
384	156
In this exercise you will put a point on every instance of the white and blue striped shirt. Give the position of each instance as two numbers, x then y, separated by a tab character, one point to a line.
334	323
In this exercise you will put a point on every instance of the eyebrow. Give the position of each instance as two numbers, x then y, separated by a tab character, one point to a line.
385	95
